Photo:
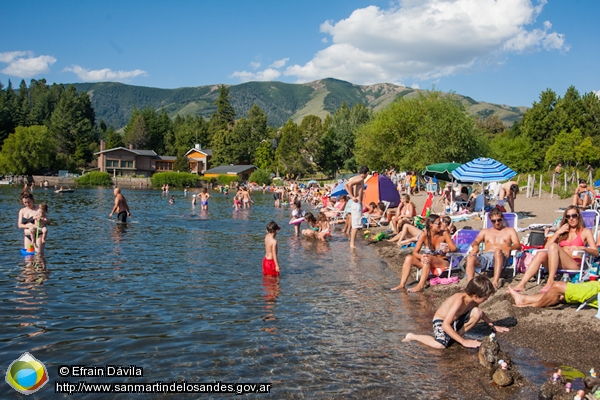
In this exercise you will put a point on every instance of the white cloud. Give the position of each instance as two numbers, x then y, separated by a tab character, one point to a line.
255	64
105	74
427	39
597	93
23	64
279	63
268	74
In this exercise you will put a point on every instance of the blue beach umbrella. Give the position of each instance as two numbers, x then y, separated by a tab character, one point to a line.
483	170
339	190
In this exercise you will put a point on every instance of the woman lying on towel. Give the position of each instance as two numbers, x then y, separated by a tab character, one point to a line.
569	237
435	243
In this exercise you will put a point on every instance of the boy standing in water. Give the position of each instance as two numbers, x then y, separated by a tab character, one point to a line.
204	199
457	315
270	264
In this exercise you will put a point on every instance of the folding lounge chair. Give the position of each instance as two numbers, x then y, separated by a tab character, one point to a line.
341	214
591	219
371	221
462	239
510	219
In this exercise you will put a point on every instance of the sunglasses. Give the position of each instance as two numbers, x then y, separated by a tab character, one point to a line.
437	223
496	220
572	216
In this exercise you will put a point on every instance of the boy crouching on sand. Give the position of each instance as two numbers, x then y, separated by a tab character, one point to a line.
270	264
457	315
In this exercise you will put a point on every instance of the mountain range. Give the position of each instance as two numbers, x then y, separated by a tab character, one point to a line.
113	102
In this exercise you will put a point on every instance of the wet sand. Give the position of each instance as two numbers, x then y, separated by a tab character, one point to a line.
556	335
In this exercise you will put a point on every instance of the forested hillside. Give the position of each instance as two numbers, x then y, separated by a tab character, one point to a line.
114	102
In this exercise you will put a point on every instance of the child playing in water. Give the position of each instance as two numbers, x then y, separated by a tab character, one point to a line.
313	229
204	199
323	222
297	213
172	200
270	264
237	200
457	315
41	222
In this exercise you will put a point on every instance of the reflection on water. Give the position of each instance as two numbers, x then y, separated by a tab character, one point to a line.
179	292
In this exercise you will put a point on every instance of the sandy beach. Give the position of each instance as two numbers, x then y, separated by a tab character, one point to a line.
557	335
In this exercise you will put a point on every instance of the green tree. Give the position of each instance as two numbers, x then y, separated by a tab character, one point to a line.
187	132
264	157
492	125
137	136
311	128
289	155
27	150
181	164
563	149
587	153
71	128
337	144
412	133
515	152
224	118
7	112
113	139
540	125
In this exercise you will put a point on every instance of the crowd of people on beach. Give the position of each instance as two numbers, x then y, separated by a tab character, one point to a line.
429	236
492	249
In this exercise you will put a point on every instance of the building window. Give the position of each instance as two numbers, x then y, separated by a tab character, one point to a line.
164	166
112	163
126	164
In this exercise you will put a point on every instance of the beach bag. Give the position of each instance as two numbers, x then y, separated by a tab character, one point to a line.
536	239
524	261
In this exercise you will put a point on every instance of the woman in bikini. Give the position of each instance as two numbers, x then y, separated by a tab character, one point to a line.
405	214
571	236
26	221
435	243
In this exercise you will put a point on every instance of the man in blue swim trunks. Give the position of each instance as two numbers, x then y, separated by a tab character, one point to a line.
121	207
571	293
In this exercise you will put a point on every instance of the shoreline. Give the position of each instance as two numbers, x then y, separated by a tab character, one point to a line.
555	335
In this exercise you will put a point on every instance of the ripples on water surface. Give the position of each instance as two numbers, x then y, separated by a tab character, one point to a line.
180	293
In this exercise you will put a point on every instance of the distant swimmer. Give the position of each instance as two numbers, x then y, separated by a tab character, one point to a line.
121	207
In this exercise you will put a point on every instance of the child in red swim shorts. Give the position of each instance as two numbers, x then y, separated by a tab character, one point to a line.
270	264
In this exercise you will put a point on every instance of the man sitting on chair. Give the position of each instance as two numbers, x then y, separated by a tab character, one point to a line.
498	240
583	196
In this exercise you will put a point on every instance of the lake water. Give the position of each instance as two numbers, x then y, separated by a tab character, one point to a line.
180	293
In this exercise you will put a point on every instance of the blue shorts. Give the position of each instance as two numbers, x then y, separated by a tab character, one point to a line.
441	336
486	261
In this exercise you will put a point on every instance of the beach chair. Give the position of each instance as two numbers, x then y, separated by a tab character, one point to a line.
591	219
462	239
371	221
340	215
511	220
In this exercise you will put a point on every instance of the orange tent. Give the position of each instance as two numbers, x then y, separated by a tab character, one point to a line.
380	187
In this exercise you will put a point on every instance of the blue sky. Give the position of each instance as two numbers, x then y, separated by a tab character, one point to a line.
500	51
